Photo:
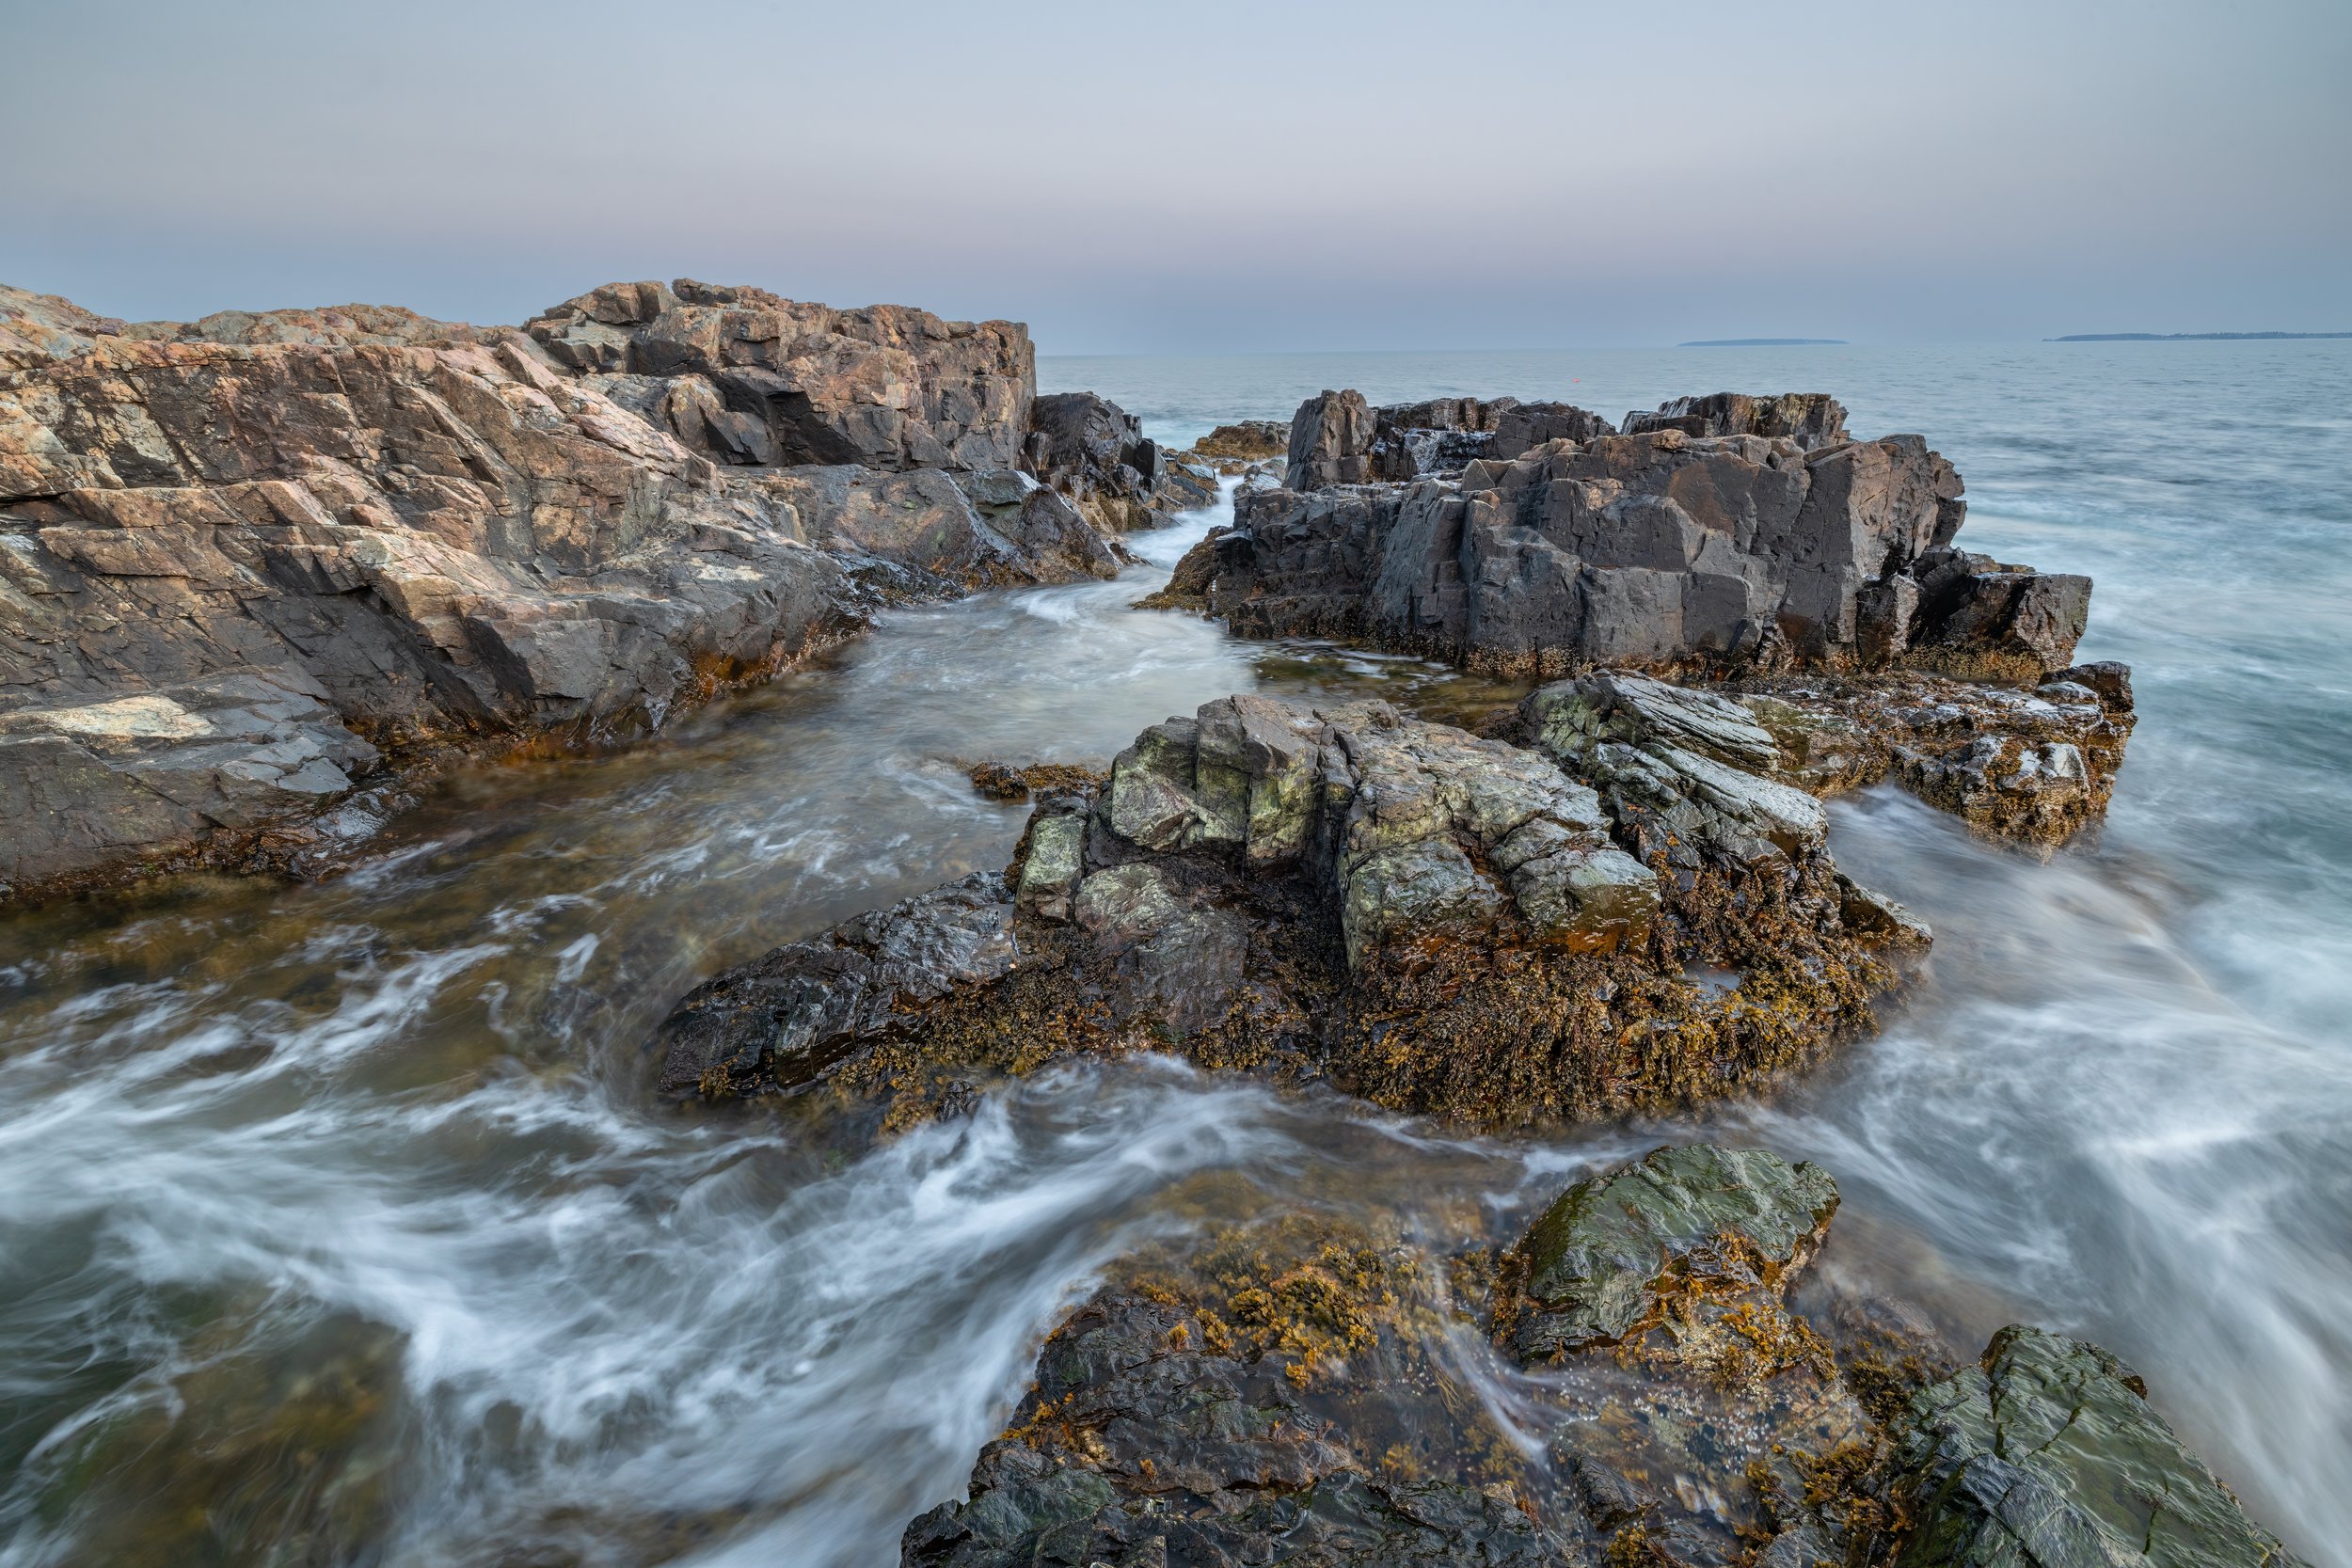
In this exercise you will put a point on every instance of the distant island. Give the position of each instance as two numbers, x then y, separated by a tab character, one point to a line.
2188	337
1758	342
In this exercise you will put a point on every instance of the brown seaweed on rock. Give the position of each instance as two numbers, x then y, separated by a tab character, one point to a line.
1434	921
1310	1390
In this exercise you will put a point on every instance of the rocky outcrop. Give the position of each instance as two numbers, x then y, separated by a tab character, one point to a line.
1095	453
1720	533
745	376
1812	419
1295	1390
1338	438
1246	441
250	563
1438	921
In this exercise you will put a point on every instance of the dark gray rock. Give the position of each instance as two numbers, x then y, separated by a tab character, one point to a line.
2049	1454
1143	1443
1094	453
1337	438
785	1021
1597	1259
1727	532
1330	442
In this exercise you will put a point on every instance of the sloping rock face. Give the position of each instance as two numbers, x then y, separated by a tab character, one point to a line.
417	534
1438	921
1719	533
2048	1452
1600	1258
885	387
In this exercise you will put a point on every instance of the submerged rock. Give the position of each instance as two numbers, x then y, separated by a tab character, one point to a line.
1434	920
793	1015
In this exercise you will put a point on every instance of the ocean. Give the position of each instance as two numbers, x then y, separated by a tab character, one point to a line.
344	1225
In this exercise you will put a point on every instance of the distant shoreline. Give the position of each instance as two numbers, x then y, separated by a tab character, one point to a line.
1762	342
2190	336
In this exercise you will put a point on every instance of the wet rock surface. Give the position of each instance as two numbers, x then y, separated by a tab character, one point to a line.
1300	1392
2033	765
426	537
2048	1452
1434	920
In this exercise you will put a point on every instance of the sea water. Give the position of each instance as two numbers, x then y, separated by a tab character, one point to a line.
342	1225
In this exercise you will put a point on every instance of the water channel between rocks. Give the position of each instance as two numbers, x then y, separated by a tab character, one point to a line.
346	1208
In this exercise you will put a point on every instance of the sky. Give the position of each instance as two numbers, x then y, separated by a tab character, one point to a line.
1212	178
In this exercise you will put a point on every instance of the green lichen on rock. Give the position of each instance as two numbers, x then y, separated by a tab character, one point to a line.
1593	1263
2048	1454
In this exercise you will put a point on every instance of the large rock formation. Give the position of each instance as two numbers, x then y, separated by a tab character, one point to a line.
1720	533
246	560
1438	921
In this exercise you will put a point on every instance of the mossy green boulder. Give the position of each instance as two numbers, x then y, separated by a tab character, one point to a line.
1595	1259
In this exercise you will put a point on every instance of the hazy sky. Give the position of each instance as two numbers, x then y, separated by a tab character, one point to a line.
1206	178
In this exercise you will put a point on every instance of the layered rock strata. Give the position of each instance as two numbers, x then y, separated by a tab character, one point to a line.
1496	932
1339	438
249	562
1774	539
1301	1391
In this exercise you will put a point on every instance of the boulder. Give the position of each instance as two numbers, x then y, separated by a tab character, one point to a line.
2048	1452
1095	453
1330	438
1601	1258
